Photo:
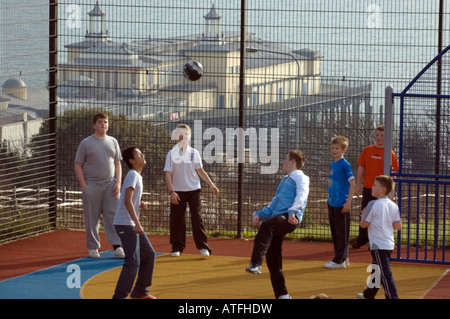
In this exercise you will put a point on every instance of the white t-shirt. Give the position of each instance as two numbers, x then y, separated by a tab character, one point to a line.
133	180
183	167
381	214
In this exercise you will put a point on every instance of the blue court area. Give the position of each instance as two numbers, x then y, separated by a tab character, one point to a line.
63	281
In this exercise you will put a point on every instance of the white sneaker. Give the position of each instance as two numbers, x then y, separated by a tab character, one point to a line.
347	262
287	296
360	296
119	253
332	265
93	253
204	252
175	254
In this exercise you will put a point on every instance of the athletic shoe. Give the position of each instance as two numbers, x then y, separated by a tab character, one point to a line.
93	253
147	296
119	253
347	262
175	254
332	264
360	296
287	296
254	268
204	252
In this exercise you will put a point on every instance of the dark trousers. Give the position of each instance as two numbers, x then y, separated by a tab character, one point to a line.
139	259
178	222
363	237
382	259
340	228
268	243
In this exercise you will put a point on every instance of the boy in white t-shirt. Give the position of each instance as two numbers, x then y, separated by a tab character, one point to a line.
381	217
139	252
183	167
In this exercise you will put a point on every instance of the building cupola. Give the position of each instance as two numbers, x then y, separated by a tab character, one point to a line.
212	25
97	24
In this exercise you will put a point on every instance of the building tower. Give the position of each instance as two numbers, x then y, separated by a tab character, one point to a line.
97	25
212	27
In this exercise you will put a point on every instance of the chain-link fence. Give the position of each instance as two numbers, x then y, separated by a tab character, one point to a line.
289	74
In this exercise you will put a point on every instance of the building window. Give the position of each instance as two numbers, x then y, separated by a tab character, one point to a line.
149	77
221	101
133	80
107	80
116	80
255	96
305	88
99	83
280	94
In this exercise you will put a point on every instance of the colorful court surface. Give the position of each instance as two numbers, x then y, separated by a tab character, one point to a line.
53	266
216	277
63	281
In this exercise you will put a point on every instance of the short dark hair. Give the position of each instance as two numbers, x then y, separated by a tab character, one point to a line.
128	155
100	115
386	182
299	158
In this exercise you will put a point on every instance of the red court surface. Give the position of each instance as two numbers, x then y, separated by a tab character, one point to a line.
46	250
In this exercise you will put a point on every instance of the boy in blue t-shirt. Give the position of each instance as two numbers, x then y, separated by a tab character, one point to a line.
340	194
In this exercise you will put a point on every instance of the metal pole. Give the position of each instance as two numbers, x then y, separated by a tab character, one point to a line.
52	85
241	139
438	89
388	128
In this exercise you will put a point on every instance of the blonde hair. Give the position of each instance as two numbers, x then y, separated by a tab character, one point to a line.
175	132
341	141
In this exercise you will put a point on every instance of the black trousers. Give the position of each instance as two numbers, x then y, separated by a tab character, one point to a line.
340	228
363	236
381	258
178	222
268	243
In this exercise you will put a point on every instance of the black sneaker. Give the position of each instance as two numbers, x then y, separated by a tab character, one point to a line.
254	268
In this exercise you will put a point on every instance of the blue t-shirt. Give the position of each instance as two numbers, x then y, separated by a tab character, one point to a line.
339	186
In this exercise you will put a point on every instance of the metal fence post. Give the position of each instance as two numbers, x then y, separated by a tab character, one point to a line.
388	128
52	84
241	147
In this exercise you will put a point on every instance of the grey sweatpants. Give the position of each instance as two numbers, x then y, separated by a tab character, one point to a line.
98	200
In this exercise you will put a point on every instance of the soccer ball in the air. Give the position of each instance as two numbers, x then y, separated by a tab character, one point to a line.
193	70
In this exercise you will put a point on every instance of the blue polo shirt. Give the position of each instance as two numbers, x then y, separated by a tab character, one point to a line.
339	186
